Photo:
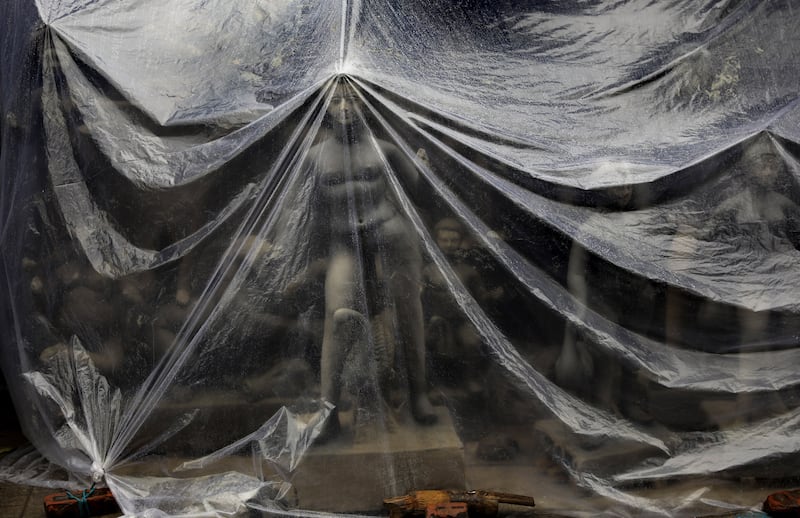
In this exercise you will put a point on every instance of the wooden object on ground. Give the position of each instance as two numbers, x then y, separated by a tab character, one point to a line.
347	476
479	503
447	510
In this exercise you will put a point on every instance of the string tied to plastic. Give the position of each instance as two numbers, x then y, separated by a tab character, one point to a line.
98	472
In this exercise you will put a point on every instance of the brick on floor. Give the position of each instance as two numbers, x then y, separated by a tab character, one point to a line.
26	502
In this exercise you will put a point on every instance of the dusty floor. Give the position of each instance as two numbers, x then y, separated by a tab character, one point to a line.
24	501
21	501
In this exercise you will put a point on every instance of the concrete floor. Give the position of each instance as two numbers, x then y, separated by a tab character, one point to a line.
21	501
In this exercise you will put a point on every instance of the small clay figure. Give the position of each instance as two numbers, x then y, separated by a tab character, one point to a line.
369	237
760	209
452	341
761	216
579	368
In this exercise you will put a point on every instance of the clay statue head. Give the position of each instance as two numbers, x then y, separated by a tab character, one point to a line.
622	195
449	234
763	162
341	109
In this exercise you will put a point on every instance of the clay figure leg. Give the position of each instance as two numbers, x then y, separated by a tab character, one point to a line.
474	364
574	368
404	271
343	288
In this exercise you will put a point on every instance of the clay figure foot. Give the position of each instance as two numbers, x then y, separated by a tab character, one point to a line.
422	410
330	429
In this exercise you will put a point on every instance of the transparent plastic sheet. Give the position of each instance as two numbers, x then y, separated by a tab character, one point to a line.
293	257
28	466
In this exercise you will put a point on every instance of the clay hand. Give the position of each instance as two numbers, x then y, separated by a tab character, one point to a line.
423	157
182	296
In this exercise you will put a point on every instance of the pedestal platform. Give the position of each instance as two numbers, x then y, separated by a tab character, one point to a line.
343	476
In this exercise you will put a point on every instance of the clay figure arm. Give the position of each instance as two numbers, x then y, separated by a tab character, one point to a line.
791	213
576	272
474	283
404	167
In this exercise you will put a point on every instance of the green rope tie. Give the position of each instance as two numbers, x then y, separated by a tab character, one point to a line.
83	502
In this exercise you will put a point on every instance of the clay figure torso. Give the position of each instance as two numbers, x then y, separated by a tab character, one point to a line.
353	188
